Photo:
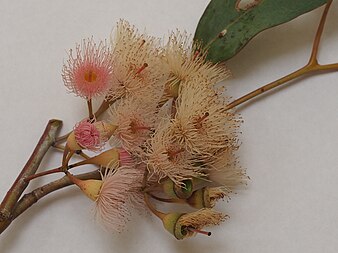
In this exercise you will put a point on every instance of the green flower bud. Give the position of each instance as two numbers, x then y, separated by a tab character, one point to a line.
199	199
206	197
171	224
175	191
91	188
183	225
183	191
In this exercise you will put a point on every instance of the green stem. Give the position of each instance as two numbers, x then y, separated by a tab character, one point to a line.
152	208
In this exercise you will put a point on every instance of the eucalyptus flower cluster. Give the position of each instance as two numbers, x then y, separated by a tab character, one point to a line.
167	138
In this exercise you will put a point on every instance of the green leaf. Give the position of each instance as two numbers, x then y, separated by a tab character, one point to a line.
238	26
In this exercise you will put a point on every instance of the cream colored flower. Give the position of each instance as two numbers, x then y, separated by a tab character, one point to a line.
135	120
201	124
224	170
137	65
183	225
167	158
187	62
193	222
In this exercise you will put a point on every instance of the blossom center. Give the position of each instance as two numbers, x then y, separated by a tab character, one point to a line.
173	153
90	76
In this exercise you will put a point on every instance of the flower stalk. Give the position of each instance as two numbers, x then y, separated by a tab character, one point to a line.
90	109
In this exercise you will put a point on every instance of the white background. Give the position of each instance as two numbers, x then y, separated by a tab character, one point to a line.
289	141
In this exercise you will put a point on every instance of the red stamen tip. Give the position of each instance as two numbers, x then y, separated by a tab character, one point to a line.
142	68
198	123
142	42
199	231
196	54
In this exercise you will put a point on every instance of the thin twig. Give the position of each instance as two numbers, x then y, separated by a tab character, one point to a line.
14	193
152	208
313	58
59	169
44	173
177	201
83	155
300	72
78	152
311	67
59	147
90	109
31	198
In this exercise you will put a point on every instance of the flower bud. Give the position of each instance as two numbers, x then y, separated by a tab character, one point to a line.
171	224
91	136
176	191
206	197
183	191
106	129
105	159
199	199
72	143
183	225
91	188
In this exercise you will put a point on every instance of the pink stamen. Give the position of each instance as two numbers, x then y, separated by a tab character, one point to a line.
125	158
87	135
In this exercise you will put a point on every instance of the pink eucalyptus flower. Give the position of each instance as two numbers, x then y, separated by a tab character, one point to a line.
88	136
89	73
